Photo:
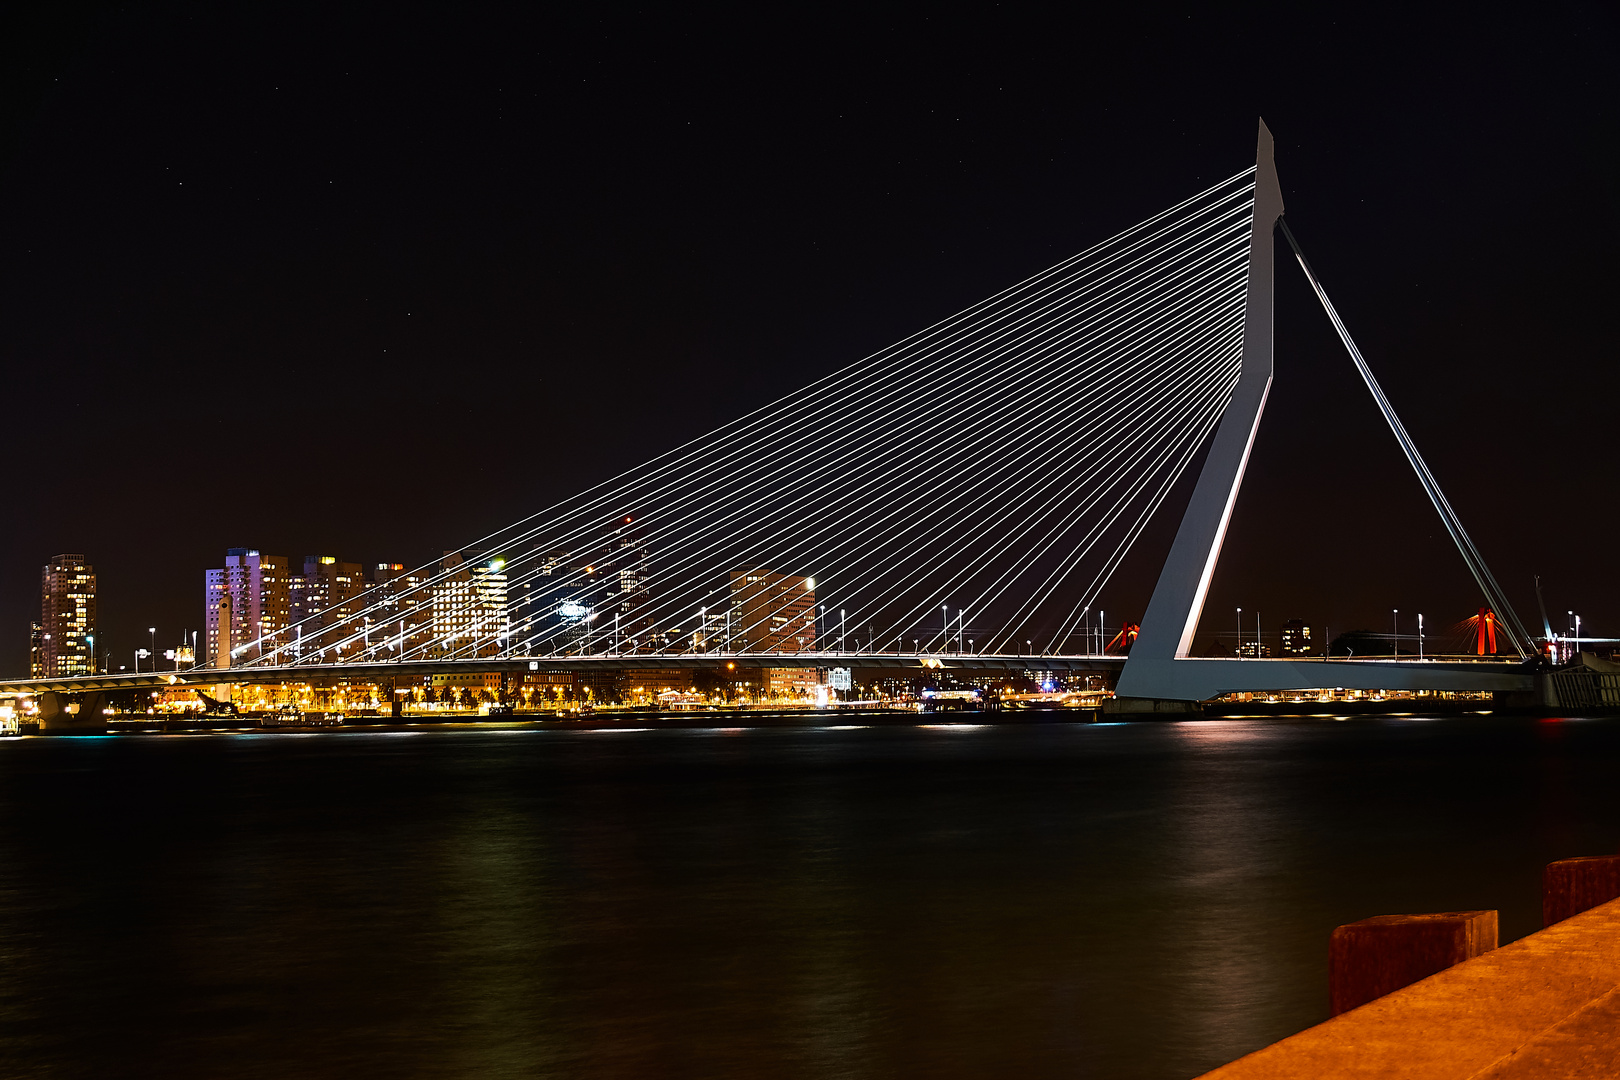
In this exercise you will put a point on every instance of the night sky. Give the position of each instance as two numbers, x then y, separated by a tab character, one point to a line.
371	282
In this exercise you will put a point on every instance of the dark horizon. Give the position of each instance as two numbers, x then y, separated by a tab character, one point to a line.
371	287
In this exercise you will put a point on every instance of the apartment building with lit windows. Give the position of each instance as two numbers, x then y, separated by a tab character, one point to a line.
325	597
398	603
248	606
66	638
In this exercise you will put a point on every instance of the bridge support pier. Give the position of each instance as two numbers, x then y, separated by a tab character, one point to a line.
1140	708
70	714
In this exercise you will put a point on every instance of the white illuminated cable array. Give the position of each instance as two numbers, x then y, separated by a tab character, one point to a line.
999	463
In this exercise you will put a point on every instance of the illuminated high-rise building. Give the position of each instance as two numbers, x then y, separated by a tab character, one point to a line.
599	601
36	651
327	595
398	605
554	605
67	623
248	606
470	616
771	612
1296	638
626	580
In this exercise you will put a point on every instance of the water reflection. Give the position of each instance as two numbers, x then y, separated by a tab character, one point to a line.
1140	900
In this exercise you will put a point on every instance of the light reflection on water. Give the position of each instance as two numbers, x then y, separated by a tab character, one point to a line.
1120	900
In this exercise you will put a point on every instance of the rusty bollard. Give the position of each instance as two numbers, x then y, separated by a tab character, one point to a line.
1376	956
1571	886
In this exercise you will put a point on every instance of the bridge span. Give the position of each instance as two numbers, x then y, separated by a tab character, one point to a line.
1453	674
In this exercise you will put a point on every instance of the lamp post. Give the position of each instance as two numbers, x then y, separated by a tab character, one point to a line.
1240	633
945	622
1420	635
1395	640
153	631
841	627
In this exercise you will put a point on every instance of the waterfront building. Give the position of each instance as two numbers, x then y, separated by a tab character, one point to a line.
1254	650
470	616
247	605
791	683
36	651
711	635
325	594
644	686
554	606
771	612
598	601
399	606
485	683
624	580
1296	638
67	623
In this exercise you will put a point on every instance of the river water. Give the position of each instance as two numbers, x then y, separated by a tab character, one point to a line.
1039	900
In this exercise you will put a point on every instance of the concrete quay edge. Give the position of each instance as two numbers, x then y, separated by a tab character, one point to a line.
1543	1006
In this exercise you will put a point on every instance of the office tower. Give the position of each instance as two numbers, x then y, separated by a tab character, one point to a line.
771	612
470	615
1296	638
626	580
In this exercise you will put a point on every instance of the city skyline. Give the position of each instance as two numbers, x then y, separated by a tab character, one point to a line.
421	612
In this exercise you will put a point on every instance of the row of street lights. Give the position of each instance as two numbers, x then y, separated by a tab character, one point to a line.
172	654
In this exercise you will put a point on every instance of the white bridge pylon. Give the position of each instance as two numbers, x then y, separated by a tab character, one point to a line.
1160	665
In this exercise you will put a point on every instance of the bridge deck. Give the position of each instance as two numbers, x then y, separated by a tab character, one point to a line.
1447	674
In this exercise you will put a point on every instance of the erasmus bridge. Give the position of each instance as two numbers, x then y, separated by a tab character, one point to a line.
957	500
